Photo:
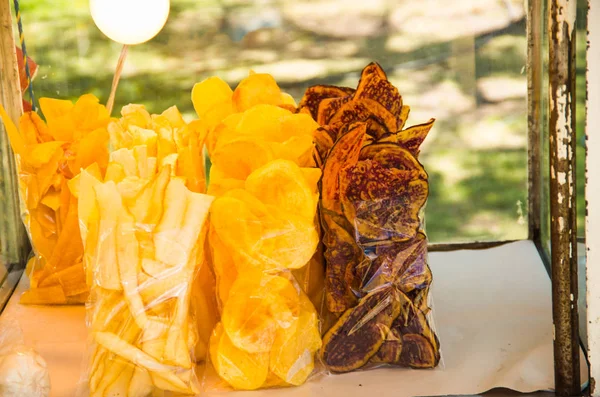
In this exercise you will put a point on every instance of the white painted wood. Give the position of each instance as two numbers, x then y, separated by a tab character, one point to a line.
593	192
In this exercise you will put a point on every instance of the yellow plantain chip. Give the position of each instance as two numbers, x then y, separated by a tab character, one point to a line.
212	99
240	157
225	131
281	183
266	122
257	307
288	241
256	89
241	369
224	265
292	355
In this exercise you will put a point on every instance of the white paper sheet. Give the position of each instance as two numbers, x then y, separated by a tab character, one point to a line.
492	313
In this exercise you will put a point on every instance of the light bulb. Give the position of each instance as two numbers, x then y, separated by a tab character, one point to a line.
130	21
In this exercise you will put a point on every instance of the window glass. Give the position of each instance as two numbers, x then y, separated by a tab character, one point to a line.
463	64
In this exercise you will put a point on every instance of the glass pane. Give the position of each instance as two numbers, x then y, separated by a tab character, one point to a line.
462	64
582	8
544	144
581	94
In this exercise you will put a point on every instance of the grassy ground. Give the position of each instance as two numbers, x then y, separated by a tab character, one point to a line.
473	85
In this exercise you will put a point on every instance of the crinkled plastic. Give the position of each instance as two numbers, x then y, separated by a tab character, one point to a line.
49	155
263	235
23	372
144	231
373	192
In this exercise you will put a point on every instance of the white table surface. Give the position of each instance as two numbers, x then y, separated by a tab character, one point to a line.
492	313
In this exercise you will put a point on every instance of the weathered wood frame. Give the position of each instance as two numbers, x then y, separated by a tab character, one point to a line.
593	195
15	247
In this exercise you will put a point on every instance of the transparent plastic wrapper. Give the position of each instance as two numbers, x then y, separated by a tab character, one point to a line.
23	372
144	234
263	235
373	192
49	155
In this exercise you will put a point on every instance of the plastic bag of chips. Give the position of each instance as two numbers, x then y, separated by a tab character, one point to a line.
263	235
373	192
143	230
49	155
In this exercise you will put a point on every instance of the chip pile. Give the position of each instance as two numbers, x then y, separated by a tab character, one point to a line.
262	227
143	232
373	191
167	137
49	156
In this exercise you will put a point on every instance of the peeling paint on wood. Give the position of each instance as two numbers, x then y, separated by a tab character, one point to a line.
563	227
592	193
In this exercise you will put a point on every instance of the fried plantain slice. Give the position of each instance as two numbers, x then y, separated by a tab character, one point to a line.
343	155
374	85
363	110
412	137
382	204
329	107
401	263
316	94
360	331
341	253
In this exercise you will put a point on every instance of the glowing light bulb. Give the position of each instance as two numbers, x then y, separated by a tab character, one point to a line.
130	21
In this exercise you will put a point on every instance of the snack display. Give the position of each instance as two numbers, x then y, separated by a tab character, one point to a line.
373	191
143	230
262	228
49	156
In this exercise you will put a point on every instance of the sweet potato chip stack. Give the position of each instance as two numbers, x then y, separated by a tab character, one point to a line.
373	191
49	155
262	227
143	230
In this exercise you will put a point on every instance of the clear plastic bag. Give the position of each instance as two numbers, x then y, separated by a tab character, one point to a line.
373	192
263	235
143	232
49	155
23	372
